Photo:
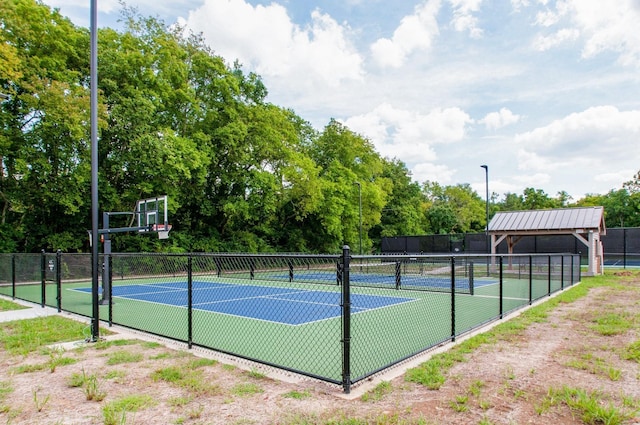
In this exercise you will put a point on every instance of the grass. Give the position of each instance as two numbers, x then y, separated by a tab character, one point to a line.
188	377
122	356
432	373
378	393
595	365
6	305
593	408
26	336
115	411
612	323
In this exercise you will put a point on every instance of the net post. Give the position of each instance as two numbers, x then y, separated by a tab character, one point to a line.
59	280
252	270
398	273
346	321
290	264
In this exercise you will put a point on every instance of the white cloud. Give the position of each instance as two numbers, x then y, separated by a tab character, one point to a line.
319	54
502	118
410	136
603	26
433	172
463	19
415	33
579	149
542	43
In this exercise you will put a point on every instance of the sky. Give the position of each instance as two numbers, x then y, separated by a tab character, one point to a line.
545	93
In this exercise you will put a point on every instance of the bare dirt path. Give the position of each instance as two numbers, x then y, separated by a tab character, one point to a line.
582	351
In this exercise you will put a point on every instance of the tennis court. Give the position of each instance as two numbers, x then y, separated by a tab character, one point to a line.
268	303
298	313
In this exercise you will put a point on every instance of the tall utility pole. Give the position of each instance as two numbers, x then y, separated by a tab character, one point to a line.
486	185
360	212
95	263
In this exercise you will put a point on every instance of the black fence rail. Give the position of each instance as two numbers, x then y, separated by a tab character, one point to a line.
337	318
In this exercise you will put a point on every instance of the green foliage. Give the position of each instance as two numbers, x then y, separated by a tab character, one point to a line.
175	119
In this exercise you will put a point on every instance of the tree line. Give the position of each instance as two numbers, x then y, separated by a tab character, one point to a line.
241	174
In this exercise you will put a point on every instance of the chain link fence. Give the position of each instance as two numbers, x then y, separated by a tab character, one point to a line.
337	318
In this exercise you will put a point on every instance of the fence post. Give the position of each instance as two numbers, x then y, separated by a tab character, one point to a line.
43	278
13	276
108	275
346	321
453	299
530	280
190	301
562	273
59	280
500	286
549	274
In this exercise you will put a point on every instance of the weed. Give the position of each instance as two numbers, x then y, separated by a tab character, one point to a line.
179	401
297	395
509	373
195	412
592	407
56	358
431	373
200	362
382	389
91	388
246	389
120	357
484	404
253	373
476	388
632	352
115	412
39	402
612	324
460	404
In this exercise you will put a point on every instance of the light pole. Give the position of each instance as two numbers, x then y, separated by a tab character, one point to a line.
486	229
360	212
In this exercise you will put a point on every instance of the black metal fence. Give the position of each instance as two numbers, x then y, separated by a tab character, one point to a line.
621	245
338	318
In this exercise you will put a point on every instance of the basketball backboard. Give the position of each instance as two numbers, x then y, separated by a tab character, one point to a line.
152	214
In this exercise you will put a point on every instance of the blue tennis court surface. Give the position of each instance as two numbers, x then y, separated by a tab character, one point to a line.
274	304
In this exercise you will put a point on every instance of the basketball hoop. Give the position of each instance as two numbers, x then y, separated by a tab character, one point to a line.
162	229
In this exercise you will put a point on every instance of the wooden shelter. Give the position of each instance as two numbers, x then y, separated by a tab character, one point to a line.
586	224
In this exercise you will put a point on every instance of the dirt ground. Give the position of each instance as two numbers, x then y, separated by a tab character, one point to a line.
515	381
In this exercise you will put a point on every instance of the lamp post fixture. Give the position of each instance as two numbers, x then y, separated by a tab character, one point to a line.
486	228
360	212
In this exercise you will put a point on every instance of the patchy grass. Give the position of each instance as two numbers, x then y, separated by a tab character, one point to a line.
376	394
120	357
27	336
6	305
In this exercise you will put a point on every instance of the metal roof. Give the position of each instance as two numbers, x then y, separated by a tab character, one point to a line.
569	219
